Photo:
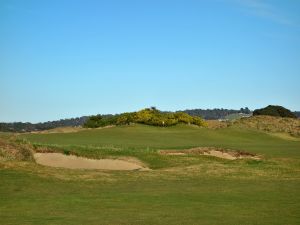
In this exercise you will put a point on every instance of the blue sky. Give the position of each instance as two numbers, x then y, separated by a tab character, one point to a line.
68	58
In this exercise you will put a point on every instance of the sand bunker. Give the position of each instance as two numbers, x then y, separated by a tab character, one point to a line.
74	162
211	151
219	154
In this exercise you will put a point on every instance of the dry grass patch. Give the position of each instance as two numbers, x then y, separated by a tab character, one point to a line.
12	149
216	124
270	124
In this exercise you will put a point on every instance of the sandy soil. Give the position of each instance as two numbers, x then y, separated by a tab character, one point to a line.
211	151
74	162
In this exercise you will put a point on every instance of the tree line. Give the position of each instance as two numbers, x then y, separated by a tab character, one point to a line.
28	127
215	114
208	114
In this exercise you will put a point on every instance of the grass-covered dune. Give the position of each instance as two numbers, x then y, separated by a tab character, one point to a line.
187	189
271	124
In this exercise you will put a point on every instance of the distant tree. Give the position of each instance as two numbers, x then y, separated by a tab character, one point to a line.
94	121
297	113
27	127
213	114
274	110
247	110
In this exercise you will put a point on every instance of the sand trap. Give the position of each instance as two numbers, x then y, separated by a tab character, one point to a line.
211	151
219	154
74	162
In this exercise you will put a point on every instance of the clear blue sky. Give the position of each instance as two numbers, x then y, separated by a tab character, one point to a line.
68	58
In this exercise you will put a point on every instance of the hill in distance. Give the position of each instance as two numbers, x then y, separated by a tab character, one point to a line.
207	114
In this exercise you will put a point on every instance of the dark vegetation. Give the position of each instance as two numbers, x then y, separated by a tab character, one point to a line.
150	116
214	114
274	110
27	127
297	113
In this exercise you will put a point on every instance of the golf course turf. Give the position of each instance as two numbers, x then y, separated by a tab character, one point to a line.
179	189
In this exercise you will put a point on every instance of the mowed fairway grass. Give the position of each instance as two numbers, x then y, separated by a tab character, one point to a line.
188	189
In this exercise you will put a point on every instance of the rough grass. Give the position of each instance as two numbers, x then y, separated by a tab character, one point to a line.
270	124
12	148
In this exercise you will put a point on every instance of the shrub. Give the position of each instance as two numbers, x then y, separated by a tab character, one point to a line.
67	152
274	110
150	116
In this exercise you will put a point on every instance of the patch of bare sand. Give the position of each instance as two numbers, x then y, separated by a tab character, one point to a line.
59	130
74	162
219	154
211	151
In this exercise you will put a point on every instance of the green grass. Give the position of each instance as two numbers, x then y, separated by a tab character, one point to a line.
30	199
143	138
179	189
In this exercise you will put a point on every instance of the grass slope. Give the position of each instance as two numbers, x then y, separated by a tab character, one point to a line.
141	138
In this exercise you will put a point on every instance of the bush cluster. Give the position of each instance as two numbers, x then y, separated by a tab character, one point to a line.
149	116
274	110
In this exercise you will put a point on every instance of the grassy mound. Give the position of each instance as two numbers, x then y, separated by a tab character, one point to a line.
270	124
